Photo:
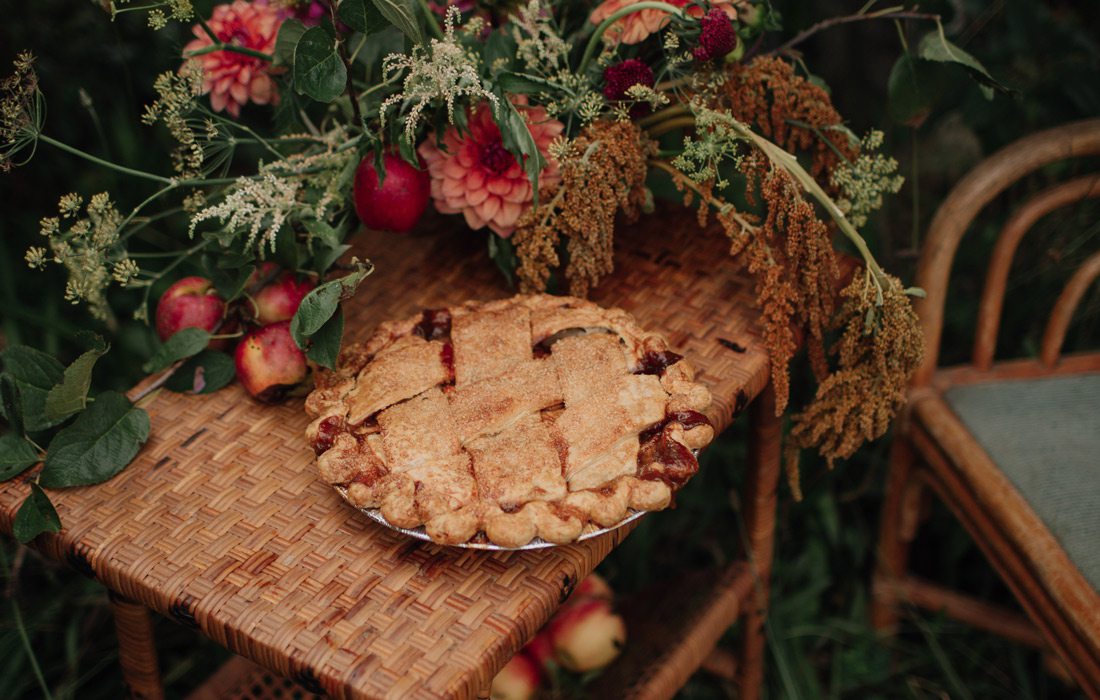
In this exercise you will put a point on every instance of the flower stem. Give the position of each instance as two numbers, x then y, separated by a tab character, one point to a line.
894	13
790	163
232	48
718	205
666	113
146	201
597	36
672	84
220	45
105	163
670	125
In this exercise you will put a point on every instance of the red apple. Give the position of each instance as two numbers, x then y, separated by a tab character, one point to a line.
540	649
593	586
278	300
518	680
269	363
189	303
398	203
587	636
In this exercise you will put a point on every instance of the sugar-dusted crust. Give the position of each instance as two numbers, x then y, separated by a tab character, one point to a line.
533	416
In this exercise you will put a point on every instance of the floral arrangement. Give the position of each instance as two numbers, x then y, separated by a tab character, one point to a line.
544	125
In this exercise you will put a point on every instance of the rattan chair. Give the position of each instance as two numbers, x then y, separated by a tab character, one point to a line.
1011	447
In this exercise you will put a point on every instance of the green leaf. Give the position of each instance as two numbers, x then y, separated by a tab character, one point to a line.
229	283
11	404
71	394
229	271
503	253
327	243
99	443
224	237
401	14
362	16
34	373
319	305
321	232
185	343
913	89
286	248
228	260
35	516
325	257
16	455
289	33
935	47
499	49
523	84
204	373
318	71
518	140
324	345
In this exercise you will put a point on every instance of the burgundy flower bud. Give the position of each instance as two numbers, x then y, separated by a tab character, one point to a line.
620	77
717	36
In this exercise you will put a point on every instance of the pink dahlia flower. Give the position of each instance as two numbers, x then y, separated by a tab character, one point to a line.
637	26
233	79
474	175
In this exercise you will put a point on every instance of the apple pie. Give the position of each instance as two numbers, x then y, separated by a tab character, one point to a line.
534	416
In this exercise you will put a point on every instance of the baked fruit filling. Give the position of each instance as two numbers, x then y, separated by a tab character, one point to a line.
534	416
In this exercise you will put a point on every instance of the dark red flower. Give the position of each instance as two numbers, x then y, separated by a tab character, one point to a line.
717	36
620	77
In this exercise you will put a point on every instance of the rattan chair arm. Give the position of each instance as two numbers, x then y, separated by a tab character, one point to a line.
1062	313
996	279
993	176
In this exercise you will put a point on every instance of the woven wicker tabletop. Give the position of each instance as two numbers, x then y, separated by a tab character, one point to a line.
223	524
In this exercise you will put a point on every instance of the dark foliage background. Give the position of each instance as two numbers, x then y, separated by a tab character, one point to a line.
97	75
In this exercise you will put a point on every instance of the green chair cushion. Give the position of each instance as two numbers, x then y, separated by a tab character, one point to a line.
1044	434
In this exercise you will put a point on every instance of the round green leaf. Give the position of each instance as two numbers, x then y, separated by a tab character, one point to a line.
71	393
16	455
324	345
99	443
35	516
318	71
320	304
185	343
204	373
34	373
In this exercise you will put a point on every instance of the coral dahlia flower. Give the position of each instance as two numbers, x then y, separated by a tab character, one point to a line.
637	26
473	174
233	79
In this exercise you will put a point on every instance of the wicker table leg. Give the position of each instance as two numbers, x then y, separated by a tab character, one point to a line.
137	651
765	458
485	690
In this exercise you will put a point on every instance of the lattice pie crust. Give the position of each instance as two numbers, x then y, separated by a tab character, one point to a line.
534	416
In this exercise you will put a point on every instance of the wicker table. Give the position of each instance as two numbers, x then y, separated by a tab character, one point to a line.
223	525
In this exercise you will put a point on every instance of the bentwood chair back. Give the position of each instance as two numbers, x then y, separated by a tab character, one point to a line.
1011	447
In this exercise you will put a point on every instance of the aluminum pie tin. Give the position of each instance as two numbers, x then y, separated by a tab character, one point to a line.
418	533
